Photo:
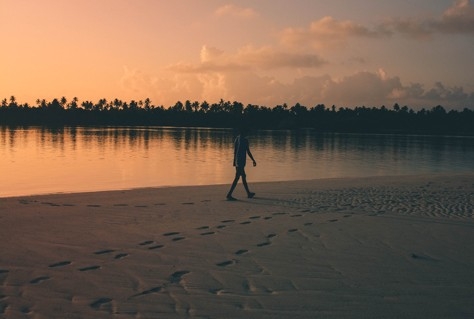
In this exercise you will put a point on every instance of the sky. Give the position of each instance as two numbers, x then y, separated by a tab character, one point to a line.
370	53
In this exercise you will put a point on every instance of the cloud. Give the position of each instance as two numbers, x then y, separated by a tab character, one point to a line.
328	32
378	88
248	58
163	90
457	19
363	88
442	93
235	11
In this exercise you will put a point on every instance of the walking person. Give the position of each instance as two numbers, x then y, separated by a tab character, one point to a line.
241	150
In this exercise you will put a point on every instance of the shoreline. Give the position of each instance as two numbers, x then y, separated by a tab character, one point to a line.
374	247
323	180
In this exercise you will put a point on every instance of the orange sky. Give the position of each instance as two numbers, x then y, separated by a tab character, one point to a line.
264	52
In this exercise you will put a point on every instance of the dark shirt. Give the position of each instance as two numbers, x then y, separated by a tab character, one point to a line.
241	146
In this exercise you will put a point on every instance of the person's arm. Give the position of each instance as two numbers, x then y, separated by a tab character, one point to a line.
250	155
235	152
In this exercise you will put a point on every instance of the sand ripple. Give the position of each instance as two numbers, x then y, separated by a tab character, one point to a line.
433	199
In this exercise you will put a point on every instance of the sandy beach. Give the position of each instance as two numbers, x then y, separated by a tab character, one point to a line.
385	247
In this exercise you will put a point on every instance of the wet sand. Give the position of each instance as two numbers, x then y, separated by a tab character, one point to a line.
385	247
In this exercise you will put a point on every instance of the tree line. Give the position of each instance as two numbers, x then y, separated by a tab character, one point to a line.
360	119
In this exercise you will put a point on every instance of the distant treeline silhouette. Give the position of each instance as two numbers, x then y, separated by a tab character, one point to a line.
61	112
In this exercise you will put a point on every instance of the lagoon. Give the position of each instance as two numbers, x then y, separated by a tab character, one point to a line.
39	160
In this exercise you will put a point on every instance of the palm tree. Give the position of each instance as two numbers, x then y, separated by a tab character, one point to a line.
205	106
195	106
117	104
147	104
187	106
63	102
73	104
87	105
13	102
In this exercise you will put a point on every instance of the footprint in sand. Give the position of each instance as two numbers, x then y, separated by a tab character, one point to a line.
105	251
171	233
60	264
177	275
3	306
144	243
141	206
226	263
147	292
263	244
39	280
156	247
208	233
423	257
120	205
93	205
189	203
254	217
89	268
333	220
245	223
292	230
120	256
241	251
178	238
268	217
271	236
308	224
99	302
25	310
202	227
50	204
221	226
296	215
216	291
4	271
228	221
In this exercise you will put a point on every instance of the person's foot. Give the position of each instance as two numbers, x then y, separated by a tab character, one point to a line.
250	195
230	198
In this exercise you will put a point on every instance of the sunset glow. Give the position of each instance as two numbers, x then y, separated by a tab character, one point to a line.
368	53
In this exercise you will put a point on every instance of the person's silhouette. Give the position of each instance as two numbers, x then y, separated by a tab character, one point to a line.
241	150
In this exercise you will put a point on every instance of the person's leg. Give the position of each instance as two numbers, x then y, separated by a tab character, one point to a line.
246	186
234	183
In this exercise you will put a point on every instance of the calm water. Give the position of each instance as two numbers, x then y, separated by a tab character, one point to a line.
39	160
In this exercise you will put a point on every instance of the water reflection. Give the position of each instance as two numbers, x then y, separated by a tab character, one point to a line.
42	160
